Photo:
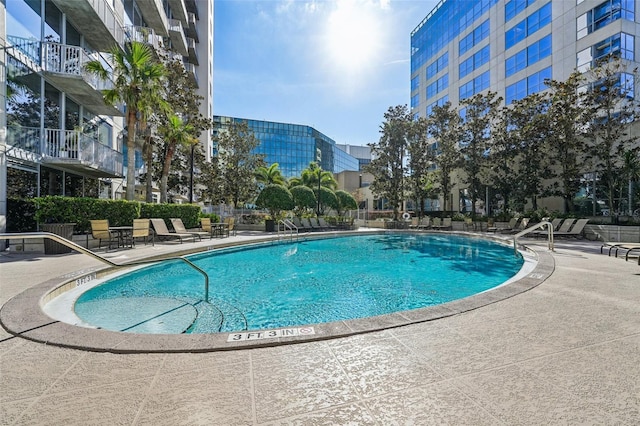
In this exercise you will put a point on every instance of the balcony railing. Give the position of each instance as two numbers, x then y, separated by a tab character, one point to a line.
27	46
70	60
144	35
76	150
178	39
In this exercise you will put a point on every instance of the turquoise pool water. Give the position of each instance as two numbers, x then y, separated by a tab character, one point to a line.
293	284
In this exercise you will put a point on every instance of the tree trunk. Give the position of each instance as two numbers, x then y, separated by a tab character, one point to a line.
165	172
148	154
131	155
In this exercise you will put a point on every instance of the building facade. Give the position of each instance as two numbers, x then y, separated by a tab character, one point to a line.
511	46
293	146
58	137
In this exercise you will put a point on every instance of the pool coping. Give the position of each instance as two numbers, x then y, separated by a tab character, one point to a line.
23	316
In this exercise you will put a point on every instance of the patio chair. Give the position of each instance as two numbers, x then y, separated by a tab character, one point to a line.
468	224
301	227
424	223
521	225
444	224
615	245
512	224
315	225
231	225
142	229
566	225
100	231
307	224
162	232
179	227
555	223
323	223
575	231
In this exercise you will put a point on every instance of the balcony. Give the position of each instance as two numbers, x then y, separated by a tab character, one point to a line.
192	29
63	66
96	20
192	7
154	15
144	35
178	40
191	72
193	54
71	150
178	9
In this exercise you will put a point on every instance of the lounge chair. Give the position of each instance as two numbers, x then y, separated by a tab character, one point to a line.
513	222
615	245
100	231
627	247
179	227
575	231
301	227
231	225
555	223
307	224
142	229
522	225
323	223
444	224
315	225
162	232
420	223
566	225
468	224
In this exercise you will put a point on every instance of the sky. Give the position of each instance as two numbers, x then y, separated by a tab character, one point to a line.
334	65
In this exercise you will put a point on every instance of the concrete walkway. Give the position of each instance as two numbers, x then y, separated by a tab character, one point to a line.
565	352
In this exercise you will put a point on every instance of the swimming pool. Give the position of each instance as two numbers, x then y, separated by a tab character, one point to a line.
299	283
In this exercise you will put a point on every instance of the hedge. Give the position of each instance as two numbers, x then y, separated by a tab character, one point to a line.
24	215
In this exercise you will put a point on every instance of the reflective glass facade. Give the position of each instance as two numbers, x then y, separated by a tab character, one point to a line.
293	146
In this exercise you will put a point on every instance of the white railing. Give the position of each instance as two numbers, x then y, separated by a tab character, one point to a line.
144	35
66	145
71	60
533	228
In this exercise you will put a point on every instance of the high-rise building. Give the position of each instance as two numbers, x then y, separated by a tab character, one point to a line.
511	46
293	146
58	136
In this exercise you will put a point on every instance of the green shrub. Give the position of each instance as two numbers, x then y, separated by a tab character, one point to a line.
21	215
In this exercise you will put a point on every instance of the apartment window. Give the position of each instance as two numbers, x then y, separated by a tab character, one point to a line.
603	14
440	102
438	86
513	7
527	86
528	26
474	62
619	45
415	83
438	65
474	86
415	101
532	54
474	37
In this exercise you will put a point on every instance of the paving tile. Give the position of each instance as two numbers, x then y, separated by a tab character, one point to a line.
518	397
604	375
297	382
11	411
381	366
436	404
209	397
115	404
345	415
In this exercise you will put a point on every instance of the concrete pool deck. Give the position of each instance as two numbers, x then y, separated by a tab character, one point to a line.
566	351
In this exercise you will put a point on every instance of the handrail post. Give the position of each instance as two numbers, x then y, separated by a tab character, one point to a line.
549	226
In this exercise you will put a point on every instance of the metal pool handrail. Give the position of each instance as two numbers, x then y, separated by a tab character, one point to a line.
542	224
79	248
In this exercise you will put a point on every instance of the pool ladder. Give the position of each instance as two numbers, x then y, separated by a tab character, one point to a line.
288	228
79	248
540	225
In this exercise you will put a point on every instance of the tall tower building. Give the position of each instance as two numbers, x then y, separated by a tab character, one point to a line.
511	46
57	136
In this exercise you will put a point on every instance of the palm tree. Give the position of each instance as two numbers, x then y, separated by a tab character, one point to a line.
175	132
270	175
310	176
135	75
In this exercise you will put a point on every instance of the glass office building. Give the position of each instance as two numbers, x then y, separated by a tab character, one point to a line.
511	46
293	146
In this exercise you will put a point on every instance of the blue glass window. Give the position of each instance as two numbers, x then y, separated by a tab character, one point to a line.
604	14
438	86
619	45
438	65
527	86
528	26
474	62
440	102
474	86
415	83
532	54
513	7
474	37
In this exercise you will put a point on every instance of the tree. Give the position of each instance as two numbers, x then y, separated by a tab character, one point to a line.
420	160
345	202
326	198
238	162
612	108
566	120
444	126
388	154
176	133
270	175
480	111
304	199
275	198
309	177
135	73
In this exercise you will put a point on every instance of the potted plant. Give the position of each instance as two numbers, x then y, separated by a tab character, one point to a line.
274	198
